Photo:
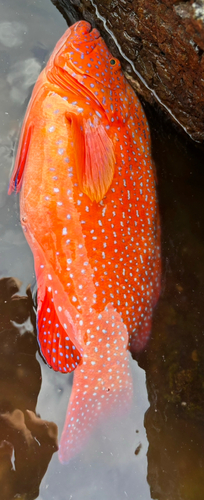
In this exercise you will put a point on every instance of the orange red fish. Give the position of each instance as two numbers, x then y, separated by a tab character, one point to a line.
90	215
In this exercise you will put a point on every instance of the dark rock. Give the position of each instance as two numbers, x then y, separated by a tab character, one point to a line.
174	357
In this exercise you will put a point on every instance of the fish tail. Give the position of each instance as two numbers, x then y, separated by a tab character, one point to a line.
102	385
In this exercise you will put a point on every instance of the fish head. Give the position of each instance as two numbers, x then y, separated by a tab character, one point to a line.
76	43
82	60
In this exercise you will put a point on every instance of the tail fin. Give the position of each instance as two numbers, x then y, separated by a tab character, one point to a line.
102	384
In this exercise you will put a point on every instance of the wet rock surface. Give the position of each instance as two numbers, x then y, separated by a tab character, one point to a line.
164	40
174	357
175	457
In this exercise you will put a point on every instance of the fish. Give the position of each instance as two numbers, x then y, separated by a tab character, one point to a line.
89	211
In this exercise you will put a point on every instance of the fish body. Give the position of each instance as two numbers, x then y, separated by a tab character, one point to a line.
90	215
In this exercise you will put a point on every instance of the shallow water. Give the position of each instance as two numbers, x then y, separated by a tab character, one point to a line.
118	462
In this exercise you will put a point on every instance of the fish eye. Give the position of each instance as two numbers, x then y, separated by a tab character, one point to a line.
112	62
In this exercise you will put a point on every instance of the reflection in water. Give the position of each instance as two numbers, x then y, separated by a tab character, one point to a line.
11	33
21	76
27	443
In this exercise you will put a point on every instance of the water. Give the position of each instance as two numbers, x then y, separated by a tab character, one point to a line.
118	462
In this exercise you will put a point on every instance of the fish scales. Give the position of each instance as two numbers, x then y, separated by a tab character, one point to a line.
89	211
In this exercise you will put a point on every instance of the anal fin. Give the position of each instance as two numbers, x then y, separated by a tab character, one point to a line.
54	338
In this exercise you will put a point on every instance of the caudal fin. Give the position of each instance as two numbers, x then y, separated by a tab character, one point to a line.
102	384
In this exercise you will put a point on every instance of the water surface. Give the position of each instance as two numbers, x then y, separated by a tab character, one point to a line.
118	462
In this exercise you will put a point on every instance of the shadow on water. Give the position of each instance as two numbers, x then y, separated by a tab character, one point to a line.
27	443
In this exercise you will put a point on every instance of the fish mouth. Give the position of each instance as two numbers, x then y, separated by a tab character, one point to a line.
82	37
81	29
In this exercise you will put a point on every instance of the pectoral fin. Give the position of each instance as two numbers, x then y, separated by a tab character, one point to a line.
95	158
